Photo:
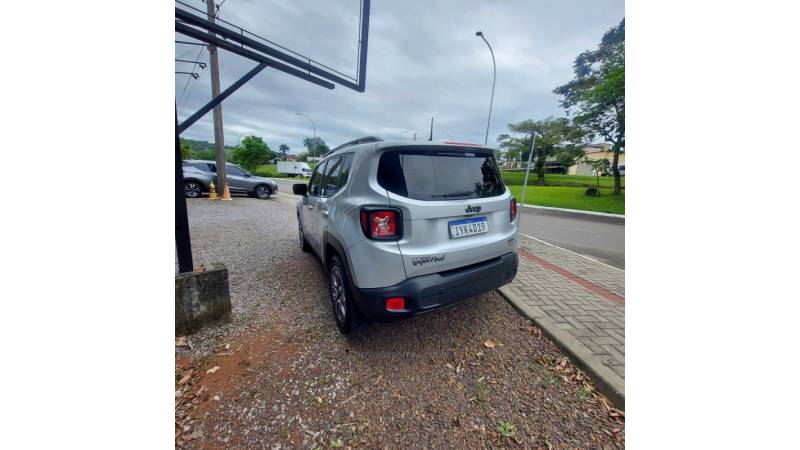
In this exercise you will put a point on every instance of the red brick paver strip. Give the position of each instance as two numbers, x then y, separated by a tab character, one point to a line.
580	303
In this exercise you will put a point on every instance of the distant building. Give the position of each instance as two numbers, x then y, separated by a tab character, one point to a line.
595	152
290	158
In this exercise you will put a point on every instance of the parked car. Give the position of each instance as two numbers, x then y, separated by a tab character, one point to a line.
407	227
294	168
198	175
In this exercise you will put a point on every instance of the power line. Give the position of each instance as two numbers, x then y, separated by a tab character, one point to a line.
189	79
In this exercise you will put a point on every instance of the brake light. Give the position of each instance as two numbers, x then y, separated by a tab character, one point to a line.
513	208
395	304
381	223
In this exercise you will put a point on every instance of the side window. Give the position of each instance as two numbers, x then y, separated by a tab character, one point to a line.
313	185
347	160
233	170
337	174
332	176
211	168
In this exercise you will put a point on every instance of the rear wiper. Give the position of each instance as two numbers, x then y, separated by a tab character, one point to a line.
454	194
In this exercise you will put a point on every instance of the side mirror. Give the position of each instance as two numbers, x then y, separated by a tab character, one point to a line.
300	189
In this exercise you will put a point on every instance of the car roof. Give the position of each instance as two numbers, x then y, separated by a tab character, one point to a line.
205	161
421	145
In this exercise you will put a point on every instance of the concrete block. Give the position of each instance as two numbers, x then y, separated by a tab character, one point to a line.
201	299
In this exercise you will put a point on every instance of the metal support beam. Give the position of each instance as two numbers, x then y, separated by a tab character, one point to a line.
183	245
195	33
216	100
363	39
181	15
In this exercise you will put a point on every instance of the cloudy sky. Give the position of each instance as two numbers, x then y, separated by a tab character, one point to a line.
424	60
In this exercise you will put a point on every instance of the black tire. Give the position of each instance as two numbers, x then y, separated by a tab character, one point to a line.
192	189
263	191
303	243
341	297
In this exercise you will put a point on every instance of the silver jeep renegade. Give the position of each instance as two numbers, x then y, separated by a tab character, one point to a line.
407	227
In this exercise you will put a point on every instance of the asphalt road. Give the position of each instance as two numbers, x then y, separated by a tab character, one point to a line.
598	237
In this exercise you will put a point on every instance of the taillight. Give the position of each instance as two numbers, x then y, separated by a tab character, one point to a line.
513	208
381	223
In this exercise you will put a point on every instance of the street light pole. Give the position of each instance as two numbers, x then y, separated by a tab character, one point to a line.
528	167
314	142
494	78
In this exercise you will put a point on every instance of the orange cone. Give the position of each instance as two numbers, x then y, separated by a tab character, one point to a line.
212	192
226	194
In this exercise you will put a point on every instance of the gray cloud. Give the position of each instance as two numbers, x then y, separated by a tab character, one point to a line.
424	60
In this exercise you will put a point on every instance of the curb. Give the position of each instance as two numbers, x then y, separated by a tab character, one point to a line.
608	382
575	211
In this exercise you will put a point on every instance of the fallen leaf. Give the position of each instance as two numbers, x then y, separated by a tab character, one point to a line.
489	343
213	369
195	435
186	377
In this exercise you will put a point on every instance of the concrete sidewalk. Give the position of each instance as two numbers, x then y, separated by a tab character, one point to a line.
580	303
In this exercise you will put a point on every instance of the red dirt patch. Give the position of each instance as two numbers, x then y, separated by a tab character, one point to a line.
223	376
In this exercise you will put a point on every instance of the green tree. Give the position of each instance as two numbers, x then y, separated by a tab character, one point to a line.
185	150
569	155
554	136
252	152
599	167
597	93
315	146
283	149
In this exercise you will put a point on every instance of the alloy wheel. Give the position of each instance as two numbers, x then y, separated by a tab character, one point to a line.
338	294
192	190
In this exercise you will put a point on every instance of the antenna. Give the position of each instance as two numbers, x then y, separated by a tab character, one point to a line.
431	138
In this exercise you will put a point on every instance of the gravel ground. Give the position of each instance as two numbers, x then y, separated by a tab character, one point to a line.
280	375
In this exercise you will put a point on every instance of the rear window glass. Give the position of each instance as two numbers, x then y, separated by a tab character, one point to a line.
440	174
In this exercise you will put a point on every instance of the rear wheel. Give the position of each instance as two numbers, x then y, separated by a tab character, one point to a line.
341	299
263	191
192	189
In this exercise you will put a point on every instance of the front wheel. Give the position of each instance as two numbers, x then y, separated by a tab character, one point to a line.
263	192
340	295
303	243
192	189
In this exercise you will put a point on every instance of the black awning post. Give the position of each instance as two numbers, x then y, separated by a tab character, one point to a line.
182	243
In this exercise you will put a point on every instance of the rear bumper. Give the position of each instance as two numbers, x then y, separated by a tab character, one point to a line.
429	292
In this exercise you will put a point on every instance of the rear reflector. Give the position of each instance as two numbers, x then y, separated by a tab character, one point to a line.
395	304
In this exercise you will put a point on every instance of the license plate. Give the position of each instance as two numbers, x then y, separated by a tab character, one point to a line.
468	227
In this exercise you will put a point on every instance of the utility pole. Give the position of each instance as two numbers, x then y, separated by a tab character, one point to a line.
431	136
219	137
528	167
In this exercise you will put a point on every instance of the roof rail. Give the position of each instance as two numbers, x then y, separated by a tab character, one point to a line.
361	140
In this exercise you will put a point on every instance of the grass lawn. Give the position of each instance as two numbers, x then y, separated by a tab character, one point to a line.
572	198
267	170
553	179
567	191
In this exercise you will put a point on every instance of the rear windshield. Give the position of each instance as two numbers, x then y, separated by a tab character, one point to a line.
440	174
